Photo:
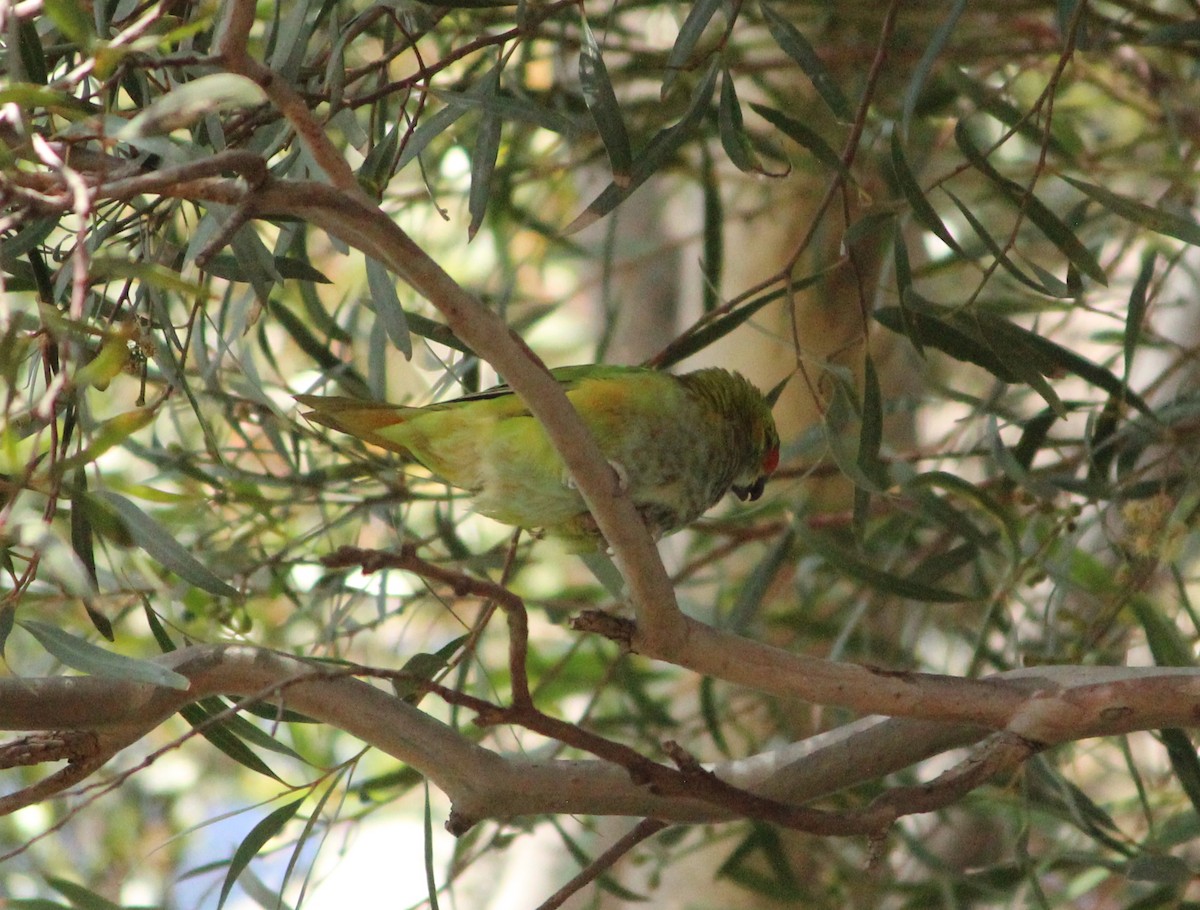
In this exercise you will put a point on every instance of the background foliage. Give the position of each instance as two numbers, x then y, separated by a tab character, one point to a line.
965	232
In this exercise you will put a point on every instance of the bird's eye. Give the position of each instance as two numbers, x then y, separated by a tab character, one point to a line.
771	460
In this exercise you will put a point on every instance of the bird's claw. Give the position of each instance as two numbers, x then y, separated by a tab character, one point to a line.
618	469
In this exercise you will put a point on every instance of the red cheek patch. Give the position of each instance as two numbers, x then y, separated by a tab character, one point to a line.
770	461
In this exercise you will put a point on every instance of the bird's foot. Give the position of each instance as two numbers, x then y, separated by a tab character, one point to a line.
619	469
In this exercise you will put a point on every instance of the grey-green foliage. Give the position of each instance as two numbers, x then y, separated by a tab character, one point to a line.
1002	195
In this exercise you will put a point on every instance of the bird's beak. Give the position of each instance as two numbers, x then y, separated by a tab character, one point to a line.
752	492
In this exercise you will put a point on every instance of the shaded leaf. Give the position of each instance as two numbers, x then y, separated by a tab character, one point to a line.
793	43
219	734
922	210
601	103
1147	216
852	565
1053	227
1007	351
692	342
657	153
700	13
1058	289
920	73
1184	763
808	138
483	158
80	897
731	128
1136	312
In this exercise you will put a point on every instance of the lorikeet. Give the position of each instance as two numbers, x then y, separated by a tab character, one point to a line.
677	443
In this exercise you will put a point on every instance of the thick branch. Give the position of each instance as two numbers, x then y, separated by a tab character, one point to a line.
484	784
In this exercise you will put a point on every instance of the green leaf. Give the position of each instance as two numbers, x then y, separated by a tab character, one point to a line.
870	439
381	285
933	50
1166	643
1007	351
423	666
658	152
761	863
806	137
700	13
80	897
754	588
1153	219
1184	763
732	130
701	338
601	103
796	46
430	874
429	129
1177	33
1053	227
714	715
253	842
507	106
72	20
1169	870
484	155
187	103
1057	288
1136	312
57	558
850	564
87	658
1058	139
922	210
160	544
220	734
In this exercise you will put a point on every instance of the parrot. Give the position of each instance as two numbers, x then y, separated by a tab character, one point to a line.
678	443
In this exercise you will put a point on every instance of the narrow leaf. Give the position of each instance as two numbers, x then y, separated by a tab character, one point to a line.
731	129
796	46
806	137
80	897
483	159
601	103
184	105
160	544
1137	309
699	15
220	735
1059	290
922	210
658	152
1184	763
925	65
386	303
1147	216
85	657
253	842
1053	227
850	564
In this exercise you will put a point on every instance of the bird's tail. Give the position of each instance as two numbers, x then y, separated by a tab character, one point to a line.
358	417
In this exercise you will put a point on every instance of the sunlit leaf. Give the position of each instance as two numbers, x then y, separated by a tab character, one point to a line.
85	657
161	544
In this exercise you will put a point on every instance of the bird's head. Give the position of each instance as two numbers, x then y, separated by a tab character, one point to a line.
764	458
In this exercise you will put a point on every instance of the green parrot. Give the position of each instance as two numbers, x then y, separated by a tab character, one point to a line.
677	443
